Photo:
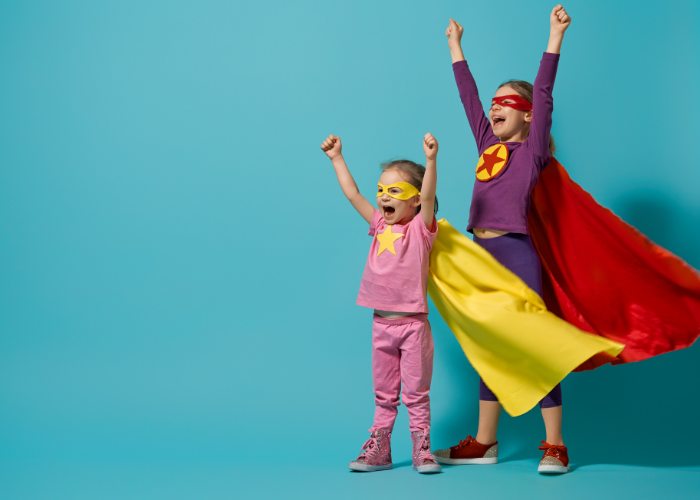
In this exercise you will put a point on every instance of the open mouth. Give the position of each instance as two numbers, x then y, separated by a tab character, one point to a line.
498	120
389	211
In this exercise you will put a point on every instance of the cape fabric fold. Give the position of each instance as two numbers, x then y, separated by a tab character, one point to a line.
605	277
519	349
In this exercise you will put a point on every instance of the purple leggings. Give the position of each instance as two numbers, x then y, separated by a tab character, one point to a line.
517	253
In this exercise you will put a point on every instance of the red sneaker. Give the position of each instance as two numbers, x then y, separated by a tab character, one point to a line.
555	459
468	451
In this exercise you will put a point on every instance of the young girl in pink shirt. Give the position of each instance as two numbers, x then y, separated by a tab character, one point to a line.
394	284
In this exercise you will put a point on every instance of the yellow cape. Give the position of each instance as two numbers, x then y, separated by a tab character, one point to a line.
520	349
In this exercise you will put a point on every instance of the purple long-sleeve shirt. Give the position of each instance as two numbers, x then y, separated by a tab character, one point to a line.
503	202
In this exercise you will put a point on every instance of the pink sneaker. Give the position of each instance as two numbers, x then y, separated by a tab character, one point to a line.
375	454
423	460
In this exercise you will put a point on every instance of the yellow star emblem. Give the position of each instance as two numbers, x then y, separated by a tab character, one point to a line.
386	240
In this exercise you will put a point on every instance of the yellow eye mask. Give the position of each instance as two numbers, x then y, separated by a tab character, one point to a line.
409	191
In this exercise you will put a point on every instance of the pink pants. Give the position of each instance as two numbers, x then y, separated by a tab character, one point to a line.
402	352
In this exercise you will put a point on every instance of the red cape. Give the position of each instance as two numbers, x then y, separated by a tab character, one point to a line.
606	278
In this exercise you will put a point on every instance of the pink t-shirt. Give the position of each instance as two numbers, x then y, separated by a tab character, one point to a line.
396	273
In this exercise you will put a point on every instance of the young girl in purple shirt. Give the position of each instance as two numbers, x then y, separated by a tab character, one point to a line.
514	145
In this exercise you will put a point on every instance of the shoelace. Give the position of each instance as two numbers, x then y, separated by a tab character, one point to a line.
370	448
424	447
552	450
465	442
426	456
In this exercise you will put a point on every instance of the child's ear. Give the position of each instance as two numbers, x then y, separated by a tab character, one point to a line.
528	116
416	201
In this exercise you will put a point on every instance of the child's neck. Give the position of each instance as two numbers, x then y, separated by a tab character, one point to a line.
405	220
519	137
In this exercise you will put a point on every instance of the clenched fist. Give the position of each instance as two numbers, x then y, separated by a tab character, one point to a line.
430	146
559	20
332	146
454	33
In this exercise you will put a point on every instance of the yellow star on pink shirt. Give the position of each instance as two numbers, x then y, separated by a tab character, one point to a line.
386	240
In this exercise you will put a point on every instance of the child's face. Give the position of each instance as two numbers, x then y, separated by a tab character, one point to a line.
508	123
396	211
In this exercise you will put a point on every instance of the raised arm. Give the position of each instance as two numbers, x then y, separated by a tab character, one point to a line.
468	92
427	191
559	22
542	101
454	34
333	148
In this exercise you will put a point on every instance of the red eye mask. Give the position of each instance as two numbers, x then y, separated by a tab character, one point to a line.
518	102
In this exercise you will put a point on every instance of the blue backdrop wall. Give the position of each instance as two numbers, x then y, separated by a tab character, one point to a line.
178	267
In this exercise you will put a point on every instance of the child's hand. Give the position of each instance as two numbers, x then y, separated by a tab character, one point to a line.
454	34
559	19
430	146
332	147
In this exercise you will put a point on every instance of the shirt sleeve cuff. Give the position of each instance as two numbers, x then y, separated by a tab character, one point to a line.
548	56
432	229
374	222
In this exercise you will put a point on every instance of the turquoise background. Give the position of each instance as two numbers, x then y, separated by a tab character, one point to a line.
179	268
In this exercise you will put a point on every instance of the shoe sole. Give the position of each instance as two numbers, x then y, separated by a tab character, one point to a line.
369	468
552	469
428	469
466	461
